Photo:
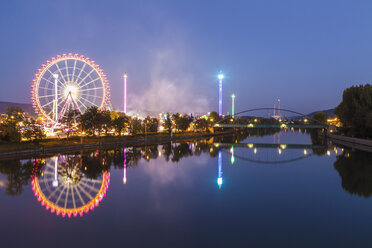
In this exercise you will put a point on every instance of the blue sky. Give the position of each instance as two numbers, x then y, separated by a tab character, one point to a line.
305	52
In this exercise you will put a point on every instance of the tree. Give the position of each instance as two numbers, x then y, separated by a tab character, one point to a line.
319	118
105	120
33	131
135	126
72	117
9	131
120	123
214	117
201	124
15	113
90	120
150	124
168	123
182	121
355	110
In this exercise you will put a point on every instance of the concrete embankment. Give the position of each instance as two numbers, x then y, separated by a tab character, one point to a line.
356	143
43	150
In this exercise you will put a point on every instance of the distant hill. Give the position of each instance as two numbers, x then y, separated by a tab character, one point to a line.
25	106
329	112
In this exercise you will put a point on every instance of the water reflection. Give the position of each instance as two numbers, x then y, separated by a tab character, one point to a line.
64	188
74	184
355	170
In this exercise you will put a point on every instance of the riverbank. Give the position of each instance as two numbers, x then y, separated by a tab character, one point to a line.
84	143
355	143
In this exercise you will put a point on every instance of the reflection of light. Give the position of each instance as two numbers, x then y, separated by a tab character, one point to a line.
55	181
125	166
255	150
232	155
305	151
328	153
279	151
219	179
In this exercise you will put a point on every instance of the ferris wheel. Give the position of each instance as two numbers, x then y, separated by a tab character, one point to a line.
68	82
64	189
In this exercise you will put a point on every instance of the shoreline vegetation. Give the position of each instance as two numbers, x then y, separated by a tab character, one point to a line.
77	143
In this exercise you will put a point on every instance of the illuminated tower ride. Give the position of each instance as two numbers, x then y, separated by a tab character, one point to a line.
220	77
125	92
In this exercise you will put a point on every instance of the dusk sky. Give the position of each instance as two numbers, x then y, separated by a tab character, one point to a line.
305	52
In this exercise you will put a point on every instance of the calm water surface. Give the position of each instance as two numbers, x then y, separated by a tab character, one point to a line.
196	194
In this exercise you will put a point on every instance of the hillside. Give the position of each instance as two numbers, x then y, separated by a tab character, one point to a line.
25	106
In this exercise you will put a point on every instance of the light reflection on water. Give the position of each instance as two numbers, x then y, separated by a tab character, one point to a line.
201	193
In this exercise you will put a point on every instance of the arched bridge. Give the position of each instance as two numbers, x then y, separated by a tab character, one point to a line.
229	122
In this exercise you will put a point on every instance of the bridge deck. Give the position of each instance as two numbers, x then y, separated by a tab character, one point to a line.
281	126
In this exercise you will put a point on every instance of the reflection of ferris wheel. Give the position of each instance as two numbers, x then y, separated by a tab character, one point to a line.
68	81
65	190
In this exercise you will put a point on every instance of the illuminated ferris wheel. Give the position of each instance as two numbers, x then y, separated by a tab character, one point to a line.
68	82
65	190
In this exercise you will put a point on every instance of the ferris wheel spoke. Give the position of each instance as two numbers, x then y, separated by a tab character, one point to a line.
61	74
51	102
81	104
46	96
41	87
66	198
83	95
85	192
57	78
79	195
81	70
93	181
89	101
50	82
53	193
68	78
92	81
97	88
73	197
73	72
89	187
60	194
81	81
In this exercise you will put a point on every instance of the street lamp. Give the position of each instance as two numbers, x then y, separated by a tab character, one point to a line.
220	77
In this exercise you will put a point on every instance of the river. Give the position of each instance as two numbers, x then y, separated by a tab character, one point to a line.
272	191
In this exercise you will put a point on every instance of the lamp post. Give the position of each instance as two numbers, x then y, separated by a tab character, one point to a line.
220	77
125	92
